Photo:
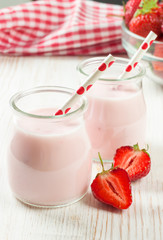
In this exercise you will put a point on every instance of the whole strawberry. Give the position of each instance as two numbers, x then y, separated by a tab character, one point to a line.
130	8
147	18
136	162
112	187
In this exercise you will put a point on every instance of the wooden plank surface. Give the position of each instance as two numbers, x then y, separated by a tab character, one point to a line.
87	219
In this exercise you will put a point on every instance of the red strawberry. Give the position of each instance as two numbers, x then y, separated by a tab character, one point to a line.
147	18
130	8
136	162
112	187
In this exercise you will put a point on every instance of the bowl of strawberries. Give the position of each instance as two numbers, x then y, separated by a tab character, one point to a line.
141	17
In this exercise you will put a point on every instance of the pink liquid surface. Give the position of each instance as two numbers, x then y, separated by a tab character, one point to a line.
49	164
116	117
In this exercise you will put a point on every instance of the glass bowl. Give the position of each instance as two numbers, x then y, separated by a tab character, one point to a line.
154	56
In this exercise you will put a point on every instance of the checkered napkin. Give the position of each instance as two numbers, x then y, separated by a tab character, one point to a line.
61	27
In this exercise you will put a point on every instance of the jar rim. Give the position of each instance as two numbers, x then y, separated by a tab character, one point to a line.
16	97
114	80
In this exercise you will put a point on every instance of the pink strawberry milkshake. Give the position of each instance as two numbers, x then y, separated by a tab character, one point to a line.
116	114
49	157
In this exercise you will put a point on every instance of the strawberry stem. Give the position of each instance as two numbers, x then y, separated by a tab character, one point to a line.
101	162
124	6
136	147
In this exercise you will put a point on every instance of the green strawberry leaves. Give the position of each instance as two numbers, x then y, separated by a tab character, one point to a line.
145	7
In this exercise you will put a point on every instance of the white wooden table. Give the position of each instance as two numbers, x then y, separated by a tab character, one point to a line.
86	219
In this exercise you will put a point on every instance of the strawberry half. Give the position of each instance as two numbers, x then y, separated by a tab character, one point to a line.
112	187
136	162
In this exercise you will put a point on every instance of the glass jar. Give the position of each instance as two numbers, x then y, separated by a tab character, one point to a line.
116	114
49	158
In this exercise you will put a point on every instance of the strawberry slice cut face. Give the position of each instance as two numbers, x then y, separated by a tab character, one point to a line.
113	187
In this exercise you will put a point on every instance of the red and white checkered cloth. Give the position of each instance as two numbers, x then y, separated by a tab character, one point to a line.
61	27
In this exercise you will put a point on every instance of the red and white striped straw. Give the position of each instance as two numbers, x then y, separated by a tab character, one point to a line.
139	54
108	61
